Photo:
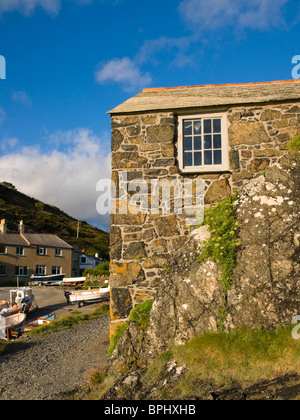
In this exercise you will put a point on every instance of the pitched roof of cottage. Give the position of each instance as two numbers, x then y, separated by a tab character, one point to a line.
36	239
13	239
162	99
44	239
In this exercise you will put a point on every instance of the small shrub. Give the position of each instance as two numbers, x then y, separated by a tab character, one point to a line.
141	314
294	146
97	378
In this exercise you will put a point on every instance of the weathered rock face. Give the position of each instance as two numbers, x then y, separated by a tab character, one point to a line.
266	281
189	298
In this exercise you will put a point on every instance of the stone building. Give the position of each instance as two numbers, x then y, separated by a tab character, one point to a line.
23	254
223	135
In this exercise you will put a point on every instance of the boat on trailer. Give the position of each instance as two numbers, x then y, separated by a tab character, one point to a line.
85	297
74	281
54	280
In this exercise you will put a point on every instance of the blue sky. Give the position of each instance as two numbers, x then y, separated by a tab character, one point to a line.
70	61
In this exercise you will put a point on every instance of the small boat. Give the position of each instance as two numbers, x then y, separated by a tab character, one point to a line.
54	280
88	296
74	282
29	325
21	301
7	323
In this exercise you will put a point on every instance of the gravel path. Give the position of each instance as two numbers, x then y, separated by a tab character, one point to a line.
51	367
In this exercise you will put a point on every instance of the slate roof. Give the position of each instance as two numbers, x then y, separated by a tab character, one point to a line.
13	239
162	99
35	239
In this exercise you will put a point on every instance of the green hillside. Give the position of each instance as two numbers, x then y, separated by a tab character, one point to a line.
43	218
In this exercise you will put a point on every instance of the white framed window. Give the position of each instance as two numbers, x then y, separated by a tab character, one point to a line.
20	251
58	252
203	143
40	270
41	250
21	271
56	270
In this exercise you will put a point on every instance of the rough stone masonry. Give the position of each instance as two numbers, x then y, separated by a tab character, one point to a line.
261	120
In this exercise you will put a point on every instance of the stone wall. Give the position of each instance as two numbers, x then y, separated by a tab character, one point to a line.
144	145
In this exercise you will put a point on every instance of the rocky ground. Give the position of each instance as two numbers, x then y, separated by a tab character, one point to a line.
51	367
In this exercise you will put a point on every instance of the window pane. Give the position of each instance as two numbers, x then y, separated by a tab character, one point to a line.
188	143
197	143
188	159
188	128
197	128
198	159
207	142
207	126
208	158
217	126
217	141
58	252
56	270
218	157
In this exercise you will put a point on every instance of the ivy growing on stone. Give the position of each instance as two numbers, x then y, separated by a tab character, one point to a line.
222	245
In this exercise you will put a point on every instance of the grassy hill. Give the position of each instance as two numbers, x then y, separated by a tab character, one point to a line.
43	218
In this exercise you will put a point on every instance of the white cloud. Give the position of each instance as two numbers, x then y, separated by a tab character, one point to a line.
215	14
27	7
9	143
65	179
2	115
21	97
124	71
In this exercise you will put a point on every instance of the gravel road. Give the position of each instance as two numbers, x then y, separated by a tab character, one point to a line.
51	367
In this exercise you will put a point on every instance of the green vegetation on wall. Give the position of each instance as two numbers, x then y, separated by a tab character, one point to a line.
115	338
222	246
294	145
139	314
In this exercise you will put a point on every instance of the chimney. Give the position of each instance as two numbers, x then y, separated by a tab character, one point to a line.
21	228
3	226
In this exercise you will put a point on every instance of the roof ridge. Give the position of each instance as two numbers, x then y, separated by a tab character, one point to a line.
221	85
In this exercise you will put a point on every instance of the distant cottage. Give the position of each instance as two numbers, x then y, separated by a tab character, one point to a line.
221	134
24	254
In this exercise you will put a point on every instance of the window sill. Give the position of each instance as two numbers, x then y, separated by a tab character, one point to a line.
204	171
